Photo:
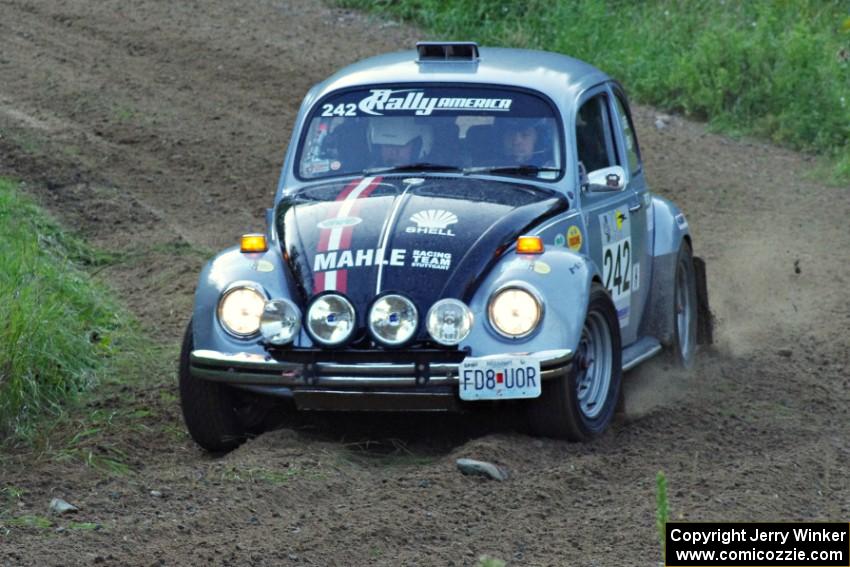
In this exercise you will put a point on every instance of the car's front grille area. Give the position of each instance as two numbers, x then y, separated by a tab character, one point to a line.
369	356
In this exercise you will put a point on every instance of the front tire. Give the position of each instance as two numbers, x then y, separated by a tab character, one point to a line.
209	408
580	404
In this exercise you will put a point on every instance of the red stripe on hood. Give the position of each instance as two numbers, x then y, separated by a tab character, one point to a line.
325	234
345	239
318	282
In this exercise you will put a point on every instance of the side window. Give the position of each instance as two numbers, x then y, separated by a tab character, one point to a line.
632	152
594	137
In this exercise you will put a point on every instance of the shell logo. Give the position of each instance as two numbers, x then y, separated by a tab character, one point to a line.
434	218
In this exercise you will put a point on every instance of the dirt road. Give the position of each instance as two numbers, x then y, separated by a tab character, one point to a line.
156	129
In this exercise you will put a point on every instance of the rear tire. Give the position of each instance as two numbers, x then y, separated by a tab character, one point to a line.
684	310
209	408
580	404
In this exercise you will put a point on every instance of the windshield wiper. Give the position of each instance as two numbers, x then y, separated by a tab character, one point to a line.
524	169
420	166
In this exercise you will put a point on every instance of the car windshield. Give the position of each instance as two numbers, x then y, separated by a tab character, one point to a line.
473	130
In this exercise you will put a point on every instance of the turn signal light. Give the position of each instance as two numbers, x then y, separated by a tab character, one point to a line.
254	243
529	245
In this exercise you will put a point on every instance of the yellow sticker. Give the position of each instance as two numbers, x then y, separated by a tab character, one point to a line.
264	266
620	218
542	267
574	238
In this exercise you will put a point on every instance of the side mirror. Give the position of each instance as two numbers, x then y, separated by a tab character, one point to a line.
607	179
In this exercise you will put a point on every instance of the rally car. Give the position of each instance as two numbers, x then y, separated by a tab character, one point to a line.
453	227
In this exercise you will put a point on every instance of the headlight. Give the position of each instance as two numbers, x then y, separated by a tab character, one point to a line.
515	311
330	319
240	309
393	319
280	321
449	321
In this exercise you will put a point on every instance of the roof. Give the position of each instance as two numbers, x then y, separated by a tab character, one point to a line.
550	73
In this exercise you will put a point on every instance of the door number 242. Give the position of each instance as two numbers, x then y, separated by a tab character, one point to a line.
617	268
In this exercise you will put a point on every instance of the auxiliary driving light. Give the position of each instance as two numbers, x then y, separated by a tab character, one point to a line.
331	319
449	321
280	321
393	319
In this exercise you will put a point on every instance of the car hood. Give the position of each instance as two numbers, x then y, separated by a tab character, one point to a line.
427	238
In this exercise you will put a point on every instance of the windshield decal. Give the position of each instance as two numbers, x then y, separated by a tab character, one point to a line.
381	100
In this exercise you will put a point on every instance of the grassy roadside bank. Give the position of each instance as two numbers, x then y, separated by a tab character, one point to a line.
60	330
779	70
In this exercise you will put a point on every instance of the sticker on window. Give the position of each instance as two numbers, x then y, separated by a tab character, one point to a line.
381	100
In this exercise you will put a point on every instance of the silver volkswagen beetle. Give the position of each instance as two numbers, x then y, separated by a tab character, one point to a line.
453	227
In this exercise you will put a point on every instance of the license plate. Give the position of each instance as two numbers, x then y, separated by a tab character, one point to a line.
499	378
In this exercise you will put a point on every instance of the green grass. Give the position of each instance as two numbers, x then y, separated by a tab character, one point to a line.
776	69
380	454
12	493
28	521
662	511
59	329
259	474
123	113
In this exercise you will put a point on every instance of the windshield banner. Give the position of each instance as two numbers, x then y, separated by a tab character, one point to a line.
426	102
421	105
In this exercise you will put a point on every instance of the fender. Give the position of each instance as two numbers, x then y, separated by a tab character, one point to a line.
231	265
670	228
561	277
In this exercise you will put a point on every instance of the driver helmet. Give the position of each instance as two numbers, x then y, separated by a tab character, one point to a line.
400	131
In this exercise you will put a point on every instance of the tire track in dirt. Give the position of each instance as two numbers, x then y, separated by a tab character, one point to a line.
158	128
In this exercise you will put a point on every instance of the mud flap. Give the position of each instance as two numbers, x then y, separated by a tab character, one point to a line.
705	319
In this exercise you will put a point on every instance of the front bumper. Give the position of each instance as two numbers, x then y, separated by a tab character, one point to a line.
420	385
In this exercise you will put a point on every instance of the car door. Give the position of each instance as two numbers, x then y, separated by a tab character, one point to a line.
640	203
613	232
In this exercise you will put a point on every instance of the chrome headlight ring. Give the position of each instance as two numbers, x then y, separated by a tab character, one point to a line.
524	298
240	308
